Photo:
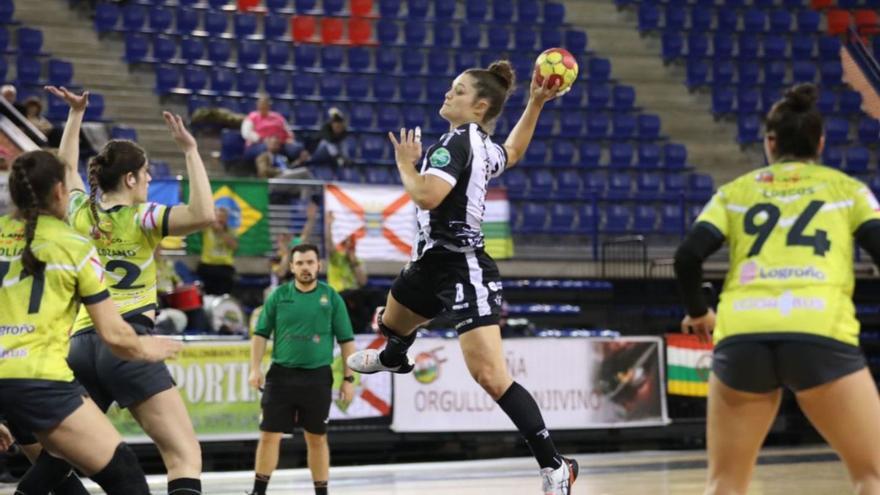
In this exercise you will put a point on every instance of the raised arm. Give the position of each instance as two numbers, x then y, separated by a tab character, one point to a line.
521	134
426	190
69	149
199	212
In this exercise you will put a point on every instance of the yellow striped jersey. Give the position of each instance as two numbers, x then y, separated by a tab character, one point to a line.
790	228
37	313
127	253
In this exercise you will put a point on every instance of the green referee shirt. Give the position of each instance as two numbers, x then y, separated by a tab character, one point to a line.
304	324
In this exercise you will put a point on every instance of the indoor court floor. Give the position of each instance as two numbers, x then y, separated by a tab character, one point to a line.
801	471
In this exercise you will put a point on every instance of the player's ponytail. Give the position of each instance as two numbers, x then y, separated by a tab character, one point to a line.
106	171
495	85
33	176
795	124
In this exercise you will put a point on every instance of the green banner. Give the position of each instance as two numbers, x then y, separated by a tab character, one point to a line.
247	202
213	381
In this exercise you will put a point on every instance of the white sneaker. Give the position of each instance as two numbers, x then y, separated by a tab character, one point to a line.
367	362
559	481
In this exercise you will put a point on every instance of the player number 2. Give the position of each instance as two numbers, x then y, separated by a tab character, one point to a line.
131	273
39	285
796	237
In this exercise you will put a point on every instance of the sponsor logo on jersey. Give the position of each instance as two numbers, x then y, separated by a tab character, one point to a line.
13	353
785	303
324	300
15	330
440	158
751	271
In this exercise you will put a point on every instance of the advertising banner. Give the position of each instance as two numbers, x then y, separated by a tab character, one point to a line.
577	382
213	381
689	362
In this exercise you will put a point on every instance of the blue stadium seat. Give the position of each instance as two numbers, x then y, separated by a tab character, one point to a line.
645	219
465	60
551	36
850	103
249	52
167	78
774	73
832	157
275	26
415	116
357	87
562	218
869	131
304	85
648	156
411	90
332	7
590	155
383	91
437	89
160	169
674	156
648	126
28	70
803	72
802	46
195	78
599	69
276	83
306	115
527	11
536	153
672	220
674	18
563	153
623	127
568	185
378	175
164	49
123	132
214	22
160	19
554	13
595	182
700	185
389	8
621	155
857	158
623	98
350	174
222	80
727	19
444	35
524	38
516	181
617	218
469	35
597	126
827	102
331	86
722	101
417	9
106	17
533	218
192	49
245	25
387	32
277	53
136	48
358	59
196	102
648	186
412	62
388	118
305	56
499	37
502	12
576	41
60	73
673	185
698	45
247	82
701	19
134	17
722	46
780	21
598	96
748	74
414	34
829	48
648	16
748	101
722	73
303	6
372	148
697	74
747	47
386	61
476	10
543	184
748	130
775	47
219	51
545	125
836	130
444	9
30	41
808	21
332	57
187	20
95	110
571	124
587	219
322	172
769	96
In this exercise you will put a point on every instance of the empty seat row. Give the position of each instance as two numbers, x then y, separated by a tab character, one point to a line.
772	74
746	100
571	184
723	46
587	219
652	16
32	71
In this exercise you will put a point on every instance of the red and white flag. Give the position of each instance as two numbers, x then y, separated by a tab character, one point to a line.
382	219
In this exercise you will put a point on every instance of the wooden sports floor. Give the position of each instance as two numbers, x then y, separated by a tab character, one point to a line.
801	471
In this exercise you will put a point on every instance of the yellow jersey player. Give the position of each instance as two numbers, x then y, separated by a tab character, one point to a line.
125	229
47	271
786	316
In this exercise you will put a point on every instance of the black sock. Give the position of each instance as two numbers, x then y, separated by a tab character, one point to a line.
396	347
51	474
70	486
185	486
521	408
123	475
321	487
261	482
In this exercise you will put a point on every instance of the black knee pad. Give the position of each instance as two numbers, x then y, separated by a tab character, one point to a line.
390	334
123	474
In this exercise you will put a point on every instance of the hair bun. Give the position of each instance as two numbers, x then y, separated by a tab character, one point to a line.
504	71
802	98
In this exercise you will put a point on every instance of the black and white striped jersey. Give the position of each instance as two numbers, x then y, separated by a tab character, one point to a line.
466	158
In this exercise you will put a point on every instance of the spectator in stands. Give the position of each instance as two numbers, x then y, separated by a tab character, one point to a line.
217	265
10	94
33	111
263	124
5	201
348	276
333	140
274	162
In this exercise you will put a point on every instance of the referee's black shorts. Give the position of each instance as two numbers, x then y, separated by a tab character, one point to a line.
297	397
464	286
763	363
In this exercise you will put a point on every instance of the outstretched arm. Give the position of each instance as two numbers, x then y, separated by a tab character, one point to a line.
199	212
69	150
521	134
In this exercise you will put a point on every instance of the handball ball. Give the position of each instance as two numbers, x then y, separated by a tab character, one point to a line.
556	64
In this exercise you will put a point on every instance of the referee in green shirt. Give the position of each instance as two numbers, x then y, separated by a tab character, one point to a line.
303	317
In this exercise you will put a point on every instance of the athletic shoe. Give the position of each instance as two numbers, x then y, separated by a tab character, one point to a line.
367	362
559	481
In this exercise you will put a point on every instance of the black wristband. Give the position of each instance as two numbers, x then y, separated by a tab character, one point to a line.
349	379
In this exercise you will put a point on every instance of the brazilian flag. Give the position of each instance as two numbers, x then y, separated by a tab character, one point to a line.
247	202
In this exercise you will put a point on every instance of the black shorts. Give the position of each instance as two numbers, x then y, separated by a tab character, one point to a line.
765	364
464	286
108	378
37	405
296	396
